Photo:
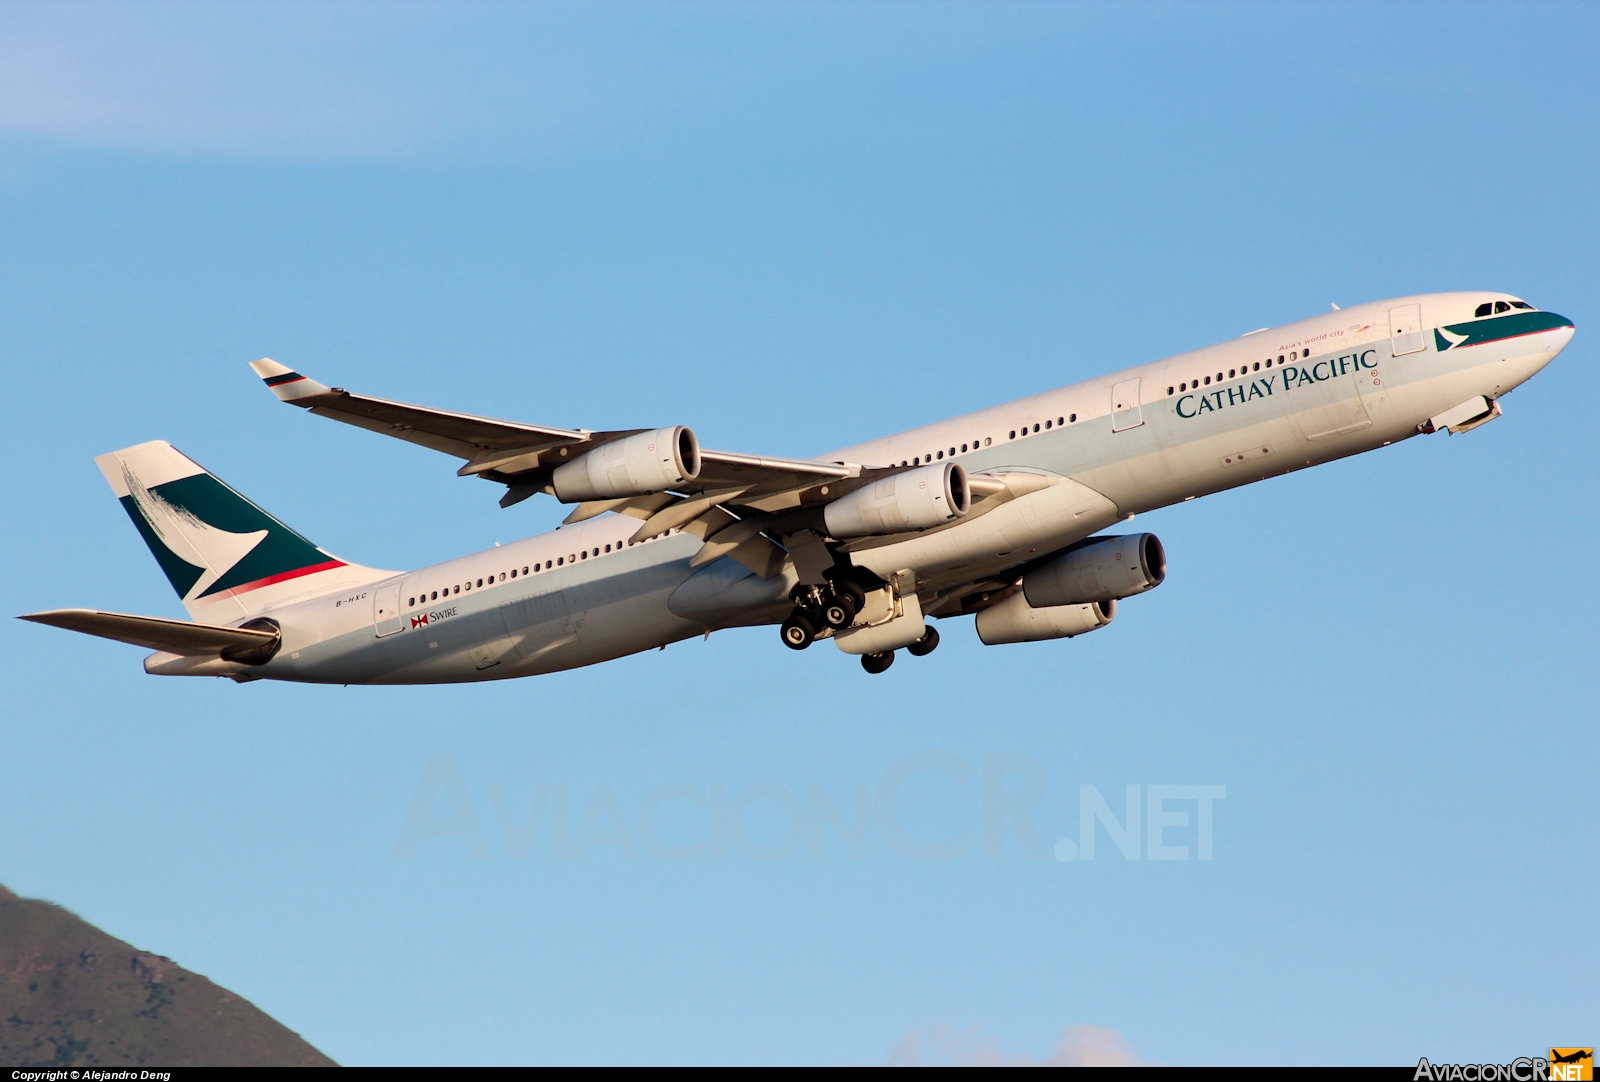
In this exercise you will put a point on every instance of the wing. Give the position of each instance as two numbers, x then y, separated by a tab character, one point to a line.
731	489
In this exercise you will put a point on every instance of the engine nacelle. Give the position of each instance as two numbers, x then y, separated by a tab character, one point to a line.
1014	620
918	499
632	466
1106	570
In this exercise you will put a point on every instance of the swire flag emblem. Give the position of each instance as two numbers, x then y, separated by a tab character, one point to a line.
419	621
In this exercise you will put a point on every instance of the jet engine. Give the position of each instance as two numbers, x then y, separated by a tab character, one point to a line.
633	466
1014	620
1102	570
915	500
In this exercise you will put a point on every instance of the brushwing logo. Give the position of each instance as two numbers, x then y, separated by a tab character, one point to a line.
210	540
180	529
1572	1064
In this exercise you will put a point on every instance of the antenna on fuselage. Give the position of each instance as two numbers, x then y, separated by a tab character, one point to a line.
1335	306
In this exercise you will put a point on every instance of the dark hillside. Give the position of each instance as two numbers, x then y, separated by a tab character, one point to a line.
73	997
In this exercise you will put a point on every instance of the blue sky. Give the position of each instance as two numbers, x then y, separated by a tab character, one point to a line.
794	227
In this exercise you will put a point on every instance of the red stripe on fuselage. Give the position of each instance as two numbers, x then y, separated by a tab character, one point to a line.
285	576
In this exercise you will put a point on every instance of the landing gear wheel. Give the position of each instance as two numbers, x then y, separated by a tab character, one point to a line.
797	631
840	613
877	663
925	645
842	588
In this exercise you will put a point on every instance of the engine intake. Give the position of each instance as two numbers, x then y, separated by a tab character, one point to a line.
1103	570
917	499
633	466
1014	620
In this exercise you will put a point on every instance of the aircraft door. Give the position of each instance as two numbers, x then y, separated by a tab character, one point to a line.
386	618
1125	412
1405	329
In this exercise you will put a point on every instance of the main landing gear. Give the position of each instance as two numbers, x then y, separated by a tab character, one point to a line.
877	663
834	605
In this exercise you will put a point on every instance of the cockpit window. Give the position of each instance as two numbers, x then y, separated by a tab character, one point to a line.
1491	308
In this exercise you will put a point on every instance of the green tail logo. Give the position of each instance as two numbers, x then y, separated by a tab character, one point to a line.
208	539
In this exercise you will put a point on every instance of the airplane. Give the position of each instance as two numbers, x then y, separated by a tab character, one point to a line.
998	515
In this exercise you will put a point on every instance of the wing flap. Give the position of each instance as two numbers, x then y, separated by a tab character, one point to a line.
155	633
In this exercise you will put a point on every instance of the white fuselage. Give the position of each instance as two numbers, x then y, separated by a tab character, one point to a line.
1254	407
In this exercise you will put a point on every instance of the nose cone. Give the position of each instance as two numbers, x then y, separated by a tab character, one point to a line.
1560	333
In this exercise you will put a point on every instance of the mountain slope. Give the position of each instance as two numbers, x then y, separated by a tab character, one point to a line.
73	997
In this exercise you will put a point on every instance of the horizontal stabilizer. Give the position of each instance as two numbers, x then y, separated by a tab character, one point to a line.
155	633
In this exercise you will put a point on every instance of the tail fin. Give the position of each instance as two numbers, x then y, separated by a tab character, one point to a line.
224	556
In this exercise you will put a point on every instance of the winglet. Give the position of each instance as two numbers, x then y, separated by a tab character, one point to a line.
285	382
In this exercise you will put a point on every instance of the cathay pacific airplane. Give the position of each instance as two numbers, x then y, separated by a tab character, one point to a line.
997	515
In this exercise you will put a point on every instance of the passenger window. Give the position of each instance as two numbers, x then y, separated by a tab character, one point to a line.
1072	417
963	448
1013	434
1280	358
1269	362
1483	309
410	601
1231	373
436	595
987	441
584	555
1305	353
502	576
513	572
1208	381
952	452
524	572
1036	428
458	589
1258	366
1219	377
1060	421
1047	424
941	454
480	582
1169	390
